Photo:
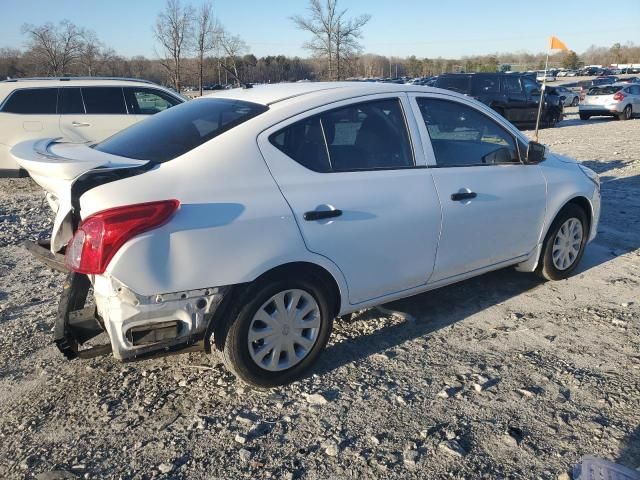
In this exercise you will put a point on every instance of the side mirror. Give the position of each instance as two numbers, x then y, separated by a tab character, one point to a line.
535	152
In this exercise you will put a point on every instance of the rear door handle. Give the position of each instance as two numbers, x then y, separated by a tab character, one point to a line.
456	197
321	214
80	124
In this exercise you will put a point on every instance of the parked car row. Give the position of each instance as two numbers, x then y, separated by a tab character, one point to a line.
248	220
76	109
514	96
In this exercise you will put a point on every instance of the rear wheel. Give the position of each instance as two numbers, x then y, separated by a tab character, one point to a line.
564	244
584	116
626	114
277	330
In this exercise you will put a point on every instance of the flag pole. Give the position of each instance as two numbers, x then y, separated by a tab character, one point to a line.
544	86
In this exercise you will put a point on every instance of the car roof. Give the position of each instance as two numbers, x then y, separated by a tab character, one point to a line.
61	81
274	93
8	86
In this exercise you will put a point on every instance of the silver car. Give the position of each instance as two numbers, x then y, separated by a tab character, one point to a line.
620	100
570	98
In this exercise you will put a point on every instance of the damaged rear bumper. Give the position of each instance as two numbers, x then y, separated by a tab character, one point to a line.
137	326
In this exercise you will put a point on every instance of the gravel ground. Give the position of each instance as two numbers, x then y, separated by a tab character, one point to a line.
502	376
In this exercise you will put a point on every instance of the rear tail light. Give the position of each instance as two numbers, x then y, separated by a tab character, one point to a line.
101	235
618	96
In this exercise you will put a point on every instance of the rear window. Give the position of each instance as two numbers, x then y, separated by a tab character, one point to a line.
176	131
34	101
608	90
456	83
104	101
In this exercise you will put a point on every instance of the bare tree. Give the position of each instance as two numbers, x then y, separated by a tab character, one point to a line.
173	30
207	36
56	47
233	47
91	53
347	33
321	24
334	36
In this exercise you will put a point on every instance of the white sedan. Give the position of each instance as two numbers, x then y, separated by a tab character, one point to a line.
248	220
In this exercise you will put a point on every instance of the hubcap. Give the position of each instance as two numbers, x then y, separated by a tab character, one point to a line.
567	243
627	112
284	330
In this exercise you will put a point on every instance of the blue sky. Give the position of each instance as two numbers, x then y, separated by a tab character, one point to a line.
403	27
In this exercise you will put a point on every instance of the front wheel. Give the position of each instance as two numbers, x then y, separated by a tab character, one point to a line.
279	332
575	102
564	244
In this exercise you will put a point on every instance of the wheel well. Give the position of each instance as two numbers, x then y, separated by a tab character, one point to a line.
584	204
306	268
219	324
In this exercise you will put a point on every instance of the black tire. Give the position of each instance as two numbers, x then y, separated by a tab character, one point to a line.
234	336
626	114
584	116
546	267
575	101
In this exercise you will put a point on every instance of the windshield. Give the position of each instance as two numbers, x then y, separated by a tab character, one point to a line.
176	131
457	83
608	90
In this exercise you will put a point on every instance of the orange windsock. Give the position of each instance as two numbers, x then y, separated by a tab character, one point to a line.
556	44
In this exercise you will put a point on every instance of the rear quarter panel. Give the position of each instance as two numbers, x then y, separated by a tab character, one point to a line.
233	223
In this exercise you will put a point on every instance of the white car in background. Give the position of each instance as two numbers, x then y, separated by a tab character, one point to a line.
570	98
620	100
74	108
247	220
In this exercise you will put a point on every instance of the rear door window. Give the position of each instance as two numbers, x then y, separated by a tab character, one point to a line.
71	101
32	101
456	83
104	101
486	84
363	136
148	101
462	136
178	130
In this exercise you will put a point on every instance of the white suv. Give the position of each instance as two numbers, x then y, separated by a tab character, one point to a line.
248	220
78	109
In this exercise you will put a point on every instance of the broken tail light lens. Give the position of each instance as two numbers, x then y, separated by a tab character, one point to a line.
102	234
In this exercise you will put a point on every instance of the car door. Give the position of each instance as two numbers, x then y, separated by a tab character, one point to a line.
146	101
91	114
532	92
355	180
516	98
493	205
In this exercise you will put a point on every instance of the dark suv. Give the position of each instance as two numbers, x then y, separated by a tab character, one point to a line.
514	96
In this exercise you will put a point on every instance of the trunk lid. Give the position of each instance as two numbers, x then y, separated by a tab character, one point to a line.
56	166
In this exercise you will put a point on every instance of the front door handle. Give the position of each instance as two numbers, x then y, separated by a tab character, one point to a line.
80	124
321	214
456	197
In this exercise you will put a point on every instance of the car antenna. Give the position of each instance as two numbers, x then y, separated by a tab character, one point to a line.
230	72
